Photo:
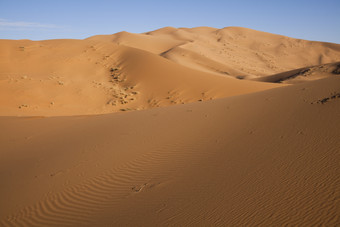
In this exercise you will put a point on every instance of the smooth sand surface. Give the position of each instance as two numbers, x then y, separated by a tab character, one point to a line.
74	77
218	151
126	71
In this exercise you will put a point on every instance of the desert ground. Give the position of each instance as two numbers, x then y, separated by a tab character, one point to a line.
173	127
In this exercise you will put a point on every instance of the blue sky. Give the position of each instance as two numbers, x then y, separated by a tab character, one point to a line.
55	19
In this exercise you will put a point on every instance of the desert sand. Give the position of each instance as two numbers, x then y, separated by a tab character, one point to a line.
178	126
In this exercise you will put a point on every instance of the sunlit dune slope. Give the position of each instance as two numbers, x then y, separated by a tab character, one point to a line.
126	71
233	51
269	158
75	77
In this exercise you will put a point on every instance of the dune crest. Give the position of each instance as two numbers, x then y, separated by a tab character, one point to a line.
233	161
303	75
245	133
75	77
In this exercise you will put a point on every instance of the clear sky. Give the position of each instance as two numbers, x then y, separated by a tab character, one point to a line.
55	19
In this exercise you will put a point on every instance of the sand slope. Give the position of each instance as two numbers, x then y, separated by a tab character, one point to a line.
126	71
269	158
74	77
233	51
303	74
246	131
249	53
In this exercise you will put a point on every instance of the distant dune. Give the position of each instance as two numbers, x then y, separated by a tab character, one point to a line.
233	51
125	71
245	133
303	74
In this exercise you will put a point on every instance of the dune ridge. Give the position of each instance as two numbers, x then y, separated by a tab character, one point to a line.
126	71
177	126
235	51
302	75
213	175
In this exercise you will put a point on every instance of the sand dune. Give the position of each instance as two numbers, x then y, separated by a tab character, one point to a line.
260	159
152	44
303	74
75	77
252	53
245	133
234	51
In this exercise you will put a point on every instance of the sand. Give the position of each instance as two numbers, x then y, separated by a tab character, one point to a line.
302	75
195	147
125	71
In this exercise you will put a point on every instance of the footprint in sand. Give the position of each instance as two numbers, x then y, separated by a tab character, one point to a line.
138	188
